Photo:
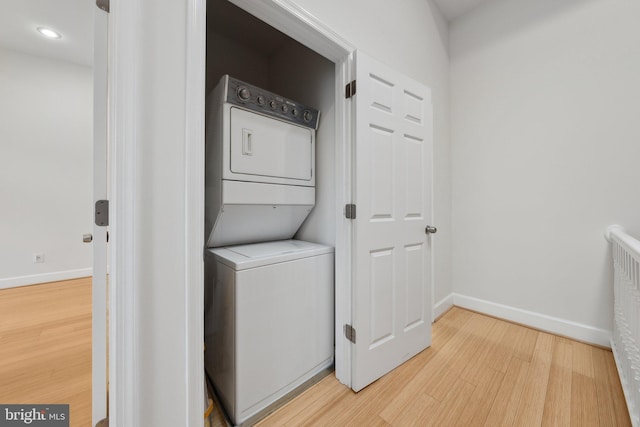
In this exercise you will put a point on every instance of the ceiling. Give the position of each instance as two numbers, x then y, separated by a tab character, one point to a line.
71	18
74	20
452	9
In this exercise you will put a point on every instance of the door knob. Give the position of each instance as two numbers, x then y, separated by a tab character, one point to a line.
87	238
430	229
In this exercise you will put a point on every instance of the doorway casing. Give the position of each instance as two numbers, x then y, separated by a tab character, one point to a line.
124	38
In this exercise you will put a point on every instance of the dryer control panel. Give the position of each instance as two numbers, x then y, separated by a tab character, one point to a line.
265	102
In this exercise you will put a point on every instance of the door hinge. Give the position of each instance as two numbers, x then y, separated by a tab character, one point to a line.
350	211
350	333
102	213
350	89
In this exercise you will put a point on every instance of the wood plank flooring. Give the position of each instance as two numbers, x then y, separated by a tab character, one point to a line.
479	371
45	346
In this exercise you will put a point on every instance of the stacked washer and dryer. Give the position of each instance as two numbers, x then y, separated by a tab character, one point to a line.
268	299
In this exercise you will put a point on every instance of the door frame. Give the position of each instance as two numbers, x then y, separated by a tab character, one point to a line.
124	34
124	106
194	201
100	192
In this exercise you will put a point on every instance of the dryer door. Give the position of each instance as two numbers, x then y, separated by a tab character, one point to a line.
266	149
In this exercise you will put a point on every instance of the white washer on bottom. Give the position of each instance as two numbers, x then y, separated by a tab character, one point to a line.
268	321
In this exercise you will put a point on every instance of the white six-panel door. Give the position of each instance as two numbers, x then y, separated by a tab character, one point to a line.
392	254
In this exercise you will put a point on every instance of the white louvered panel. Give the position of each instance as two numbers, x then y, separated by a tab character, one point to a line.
625	342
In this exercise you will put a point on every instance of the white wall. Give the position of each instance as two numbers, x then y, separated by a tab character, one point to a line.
412	37
45	168
545	145
161	344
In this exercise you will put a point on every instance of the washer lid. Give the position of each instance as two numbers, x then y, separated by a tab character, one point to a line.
260	254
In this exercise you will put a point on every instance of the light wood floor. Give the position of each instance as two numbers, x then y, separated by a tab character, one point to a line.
479	371
45	346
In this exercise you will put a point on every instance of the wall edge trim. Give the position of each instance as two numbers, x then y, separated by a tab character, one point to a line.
36	279
567	328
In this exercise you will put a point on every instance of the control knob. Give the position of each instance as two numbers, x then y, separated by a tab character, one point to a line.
285	108
307	116
260	100
273	104
243	93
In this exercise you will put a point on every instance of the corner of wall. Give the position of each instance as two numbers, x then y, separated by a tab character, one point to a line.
442	306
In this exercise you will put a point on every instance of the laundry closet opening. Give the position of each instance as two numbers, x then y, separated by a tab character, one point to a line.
244	47
269	303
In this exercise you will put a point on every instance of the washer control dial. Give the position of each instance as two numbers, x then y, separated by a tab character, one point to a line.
260	100
243	93
273	104
284	108
307	116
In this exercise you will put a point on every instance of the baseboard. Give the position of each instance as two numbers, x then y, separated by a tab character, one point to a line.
33	279
442	306
543	322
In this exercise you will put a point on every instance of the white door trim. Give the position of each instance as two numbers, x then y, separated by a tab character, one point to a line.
123	355
344	227
99	282
124	358
194	209
300	25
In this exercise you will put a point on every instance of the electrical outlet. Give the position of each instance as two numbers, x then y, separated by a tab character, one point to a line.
38	257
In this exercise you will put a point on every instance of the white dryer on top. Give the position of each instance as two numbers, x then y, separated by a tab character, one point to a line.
260	164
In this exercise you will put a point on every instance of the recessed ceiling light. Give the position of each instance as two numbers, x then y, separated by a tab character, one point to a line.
49	33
